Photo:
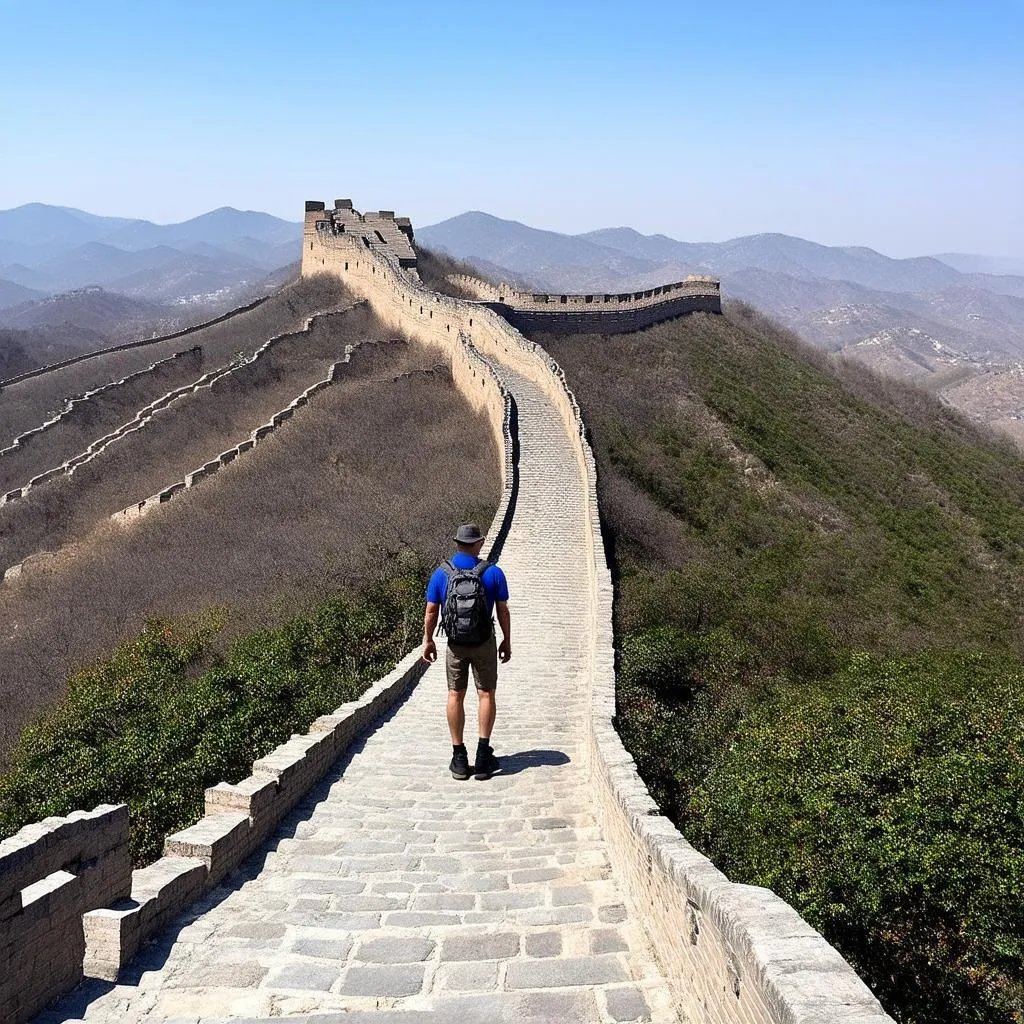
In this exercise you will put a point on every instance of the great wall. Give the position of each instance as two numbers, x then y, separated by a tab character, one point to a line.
555	891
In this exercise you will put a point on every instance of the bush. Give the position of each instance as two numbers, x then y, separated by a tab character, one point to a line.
153	727
773	514
888	807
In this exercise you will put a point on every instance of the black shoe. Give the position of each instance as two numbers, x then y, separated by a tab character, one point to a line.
486	764
460	764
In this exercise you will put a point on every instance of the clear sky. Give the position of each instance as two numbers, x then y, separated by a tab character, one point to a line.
898	125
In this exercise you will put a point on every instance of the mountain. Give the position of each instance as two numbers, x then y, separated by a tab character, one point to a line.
939	320
11	293
522	249
968	263
52	249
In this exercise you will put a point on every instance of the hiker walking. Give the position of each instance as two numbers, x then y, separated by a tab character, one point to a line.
465	592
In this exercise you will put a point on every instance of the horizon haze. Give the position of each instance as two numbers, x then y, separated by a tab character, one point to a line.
898	127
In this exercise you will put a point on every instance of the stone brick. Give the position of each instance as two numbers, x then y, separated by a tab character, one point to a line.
563	973
394	950
490	946
627	1004
393	980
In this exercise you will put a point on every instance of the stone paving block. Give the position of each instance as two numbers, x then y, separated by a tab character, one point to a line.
475	883
535	875
254	930
614	913
304	976
392	980
478	976
322	949
510	900
543	944
394	950
420	919
220	975
554	915
367	902
563	973
607	940
442	901
578	1007
570	895
494	946
627	1004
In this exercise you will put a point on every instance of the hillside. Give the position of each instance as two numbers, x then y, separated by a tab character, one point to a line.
818	593
310	512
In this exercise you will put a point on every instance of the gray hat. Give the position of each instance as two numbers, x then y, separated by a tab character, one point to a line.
468	533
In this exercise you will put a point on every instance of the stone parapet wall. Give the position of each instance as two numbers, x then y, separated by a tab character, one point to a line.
595	313
52	873
72	405
735	954
145	415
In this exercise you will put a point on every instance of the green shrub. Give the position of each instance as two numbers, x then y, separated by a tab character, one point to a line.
785	511
153	725
888	807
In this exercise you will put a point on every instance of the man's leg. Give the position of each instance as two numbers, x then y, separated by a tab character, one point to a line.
486	712
457	671
485	675
456	712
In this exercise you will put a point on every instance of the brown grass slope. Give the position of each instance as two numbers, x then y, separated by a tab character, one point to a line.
177	439
365	472
95	417
28	404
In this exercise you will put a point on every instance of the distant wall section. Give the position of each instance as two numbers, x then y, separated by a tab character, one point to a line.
597	312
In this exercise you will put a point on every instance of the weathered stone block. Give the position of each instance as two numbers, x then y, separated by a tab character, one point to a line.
220	841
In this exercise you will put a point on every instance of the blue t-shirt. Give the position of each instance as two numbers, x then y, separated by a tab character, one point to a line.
495	584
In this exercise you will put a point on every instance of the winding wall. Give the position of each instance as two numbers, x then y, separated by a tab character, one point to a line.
733	953
596	313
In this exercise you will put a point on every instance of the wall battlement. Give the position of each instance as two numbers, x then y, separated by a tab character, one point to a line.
597	312
542	312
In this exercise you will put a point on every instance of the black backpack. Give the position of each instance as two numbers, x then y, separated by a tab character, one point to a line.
464	614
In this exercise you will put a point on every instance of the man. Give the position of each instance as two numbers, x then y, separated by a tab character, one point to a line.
480	654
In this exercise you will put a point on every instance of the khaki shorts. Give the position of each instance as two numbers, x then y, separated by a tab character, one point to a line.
484	660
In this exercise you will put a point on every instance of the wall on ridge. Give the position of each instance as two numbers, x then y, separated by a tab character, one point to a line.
599	312
735	954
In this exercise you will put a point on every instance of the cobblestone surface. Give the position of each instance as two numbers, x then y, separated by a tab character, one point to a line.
398	894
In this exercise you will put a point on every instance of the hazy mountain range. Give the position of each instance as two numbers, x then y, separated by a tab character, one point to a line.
953	322
831	295
45	250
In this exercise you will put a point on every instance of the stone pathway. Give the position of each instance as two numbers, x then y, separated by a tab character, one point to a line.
397	894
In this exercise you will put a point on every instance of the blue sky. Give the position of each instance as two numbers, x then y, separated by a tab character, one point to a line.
898	125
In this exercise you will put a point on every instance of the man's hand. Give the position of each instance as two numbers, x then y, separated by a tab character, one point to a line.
505	650
430	615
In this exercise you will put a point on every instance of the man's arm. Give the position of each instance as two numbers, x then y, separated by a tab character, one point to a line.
429	625
505	621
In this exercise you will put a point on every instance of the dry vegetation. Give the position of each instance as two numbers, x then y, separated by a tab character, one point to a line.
95	417
436	267
28	404
365	473
178	439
